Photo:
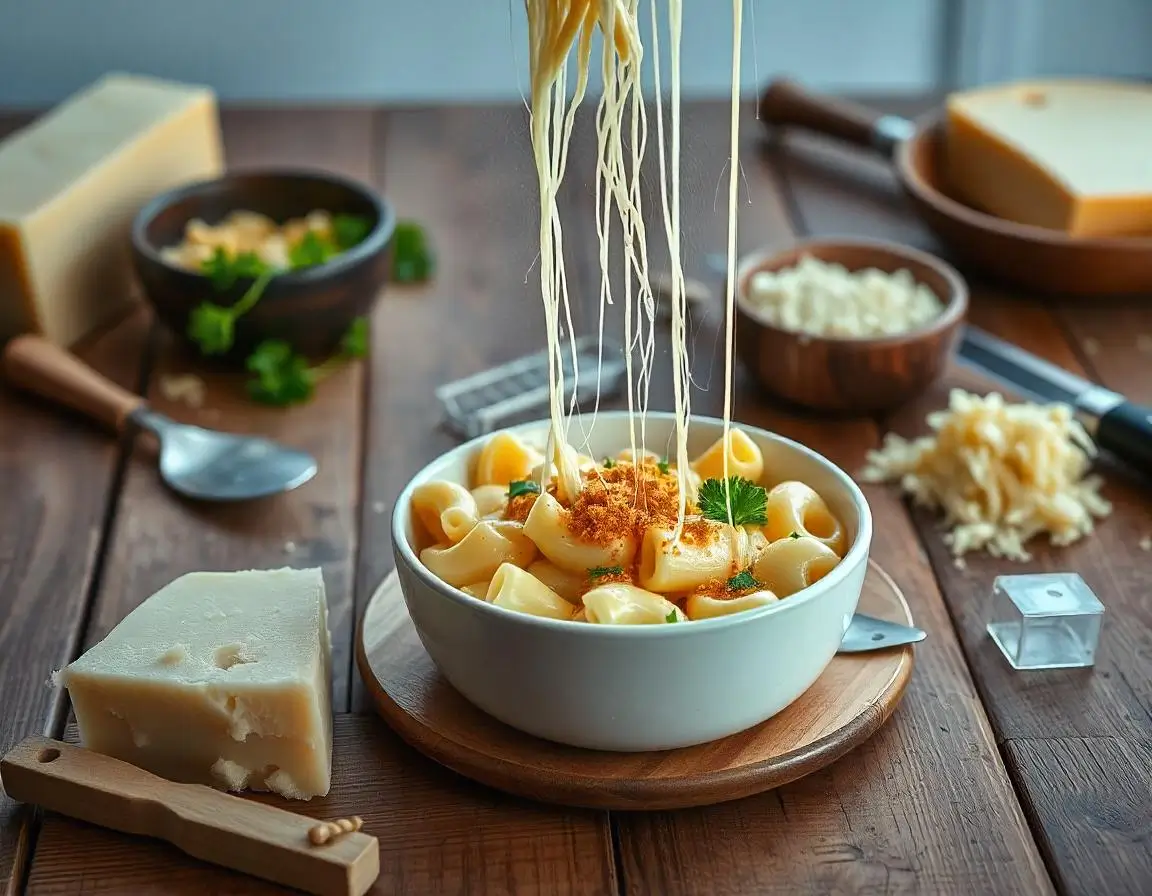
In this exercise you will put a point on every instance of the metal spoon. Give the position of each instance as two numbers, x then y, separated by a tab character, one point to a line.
196	462
868	633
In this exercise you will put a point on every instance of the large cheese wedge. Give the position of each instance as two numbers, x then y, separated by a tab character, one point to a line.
1069	155
70	184
220	678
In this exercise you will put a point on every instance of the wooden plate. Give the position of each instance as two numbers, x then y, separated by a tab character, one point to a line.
847	705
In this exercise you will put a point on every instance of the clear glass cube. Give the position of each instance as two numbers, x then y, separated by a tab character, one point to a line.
1045	620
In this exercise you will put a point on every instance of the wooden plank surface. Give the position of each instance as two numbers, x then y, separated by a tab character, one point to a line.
869	823
438	834
56	477
1054	727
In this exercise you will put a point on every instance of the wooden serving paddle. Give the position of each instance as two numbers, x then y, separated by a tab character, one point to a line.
209	824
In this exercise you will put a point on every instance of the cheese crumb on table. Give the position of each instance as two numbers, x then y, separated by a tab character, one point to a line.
1001	473
185	387
824	299
219	678
1146	543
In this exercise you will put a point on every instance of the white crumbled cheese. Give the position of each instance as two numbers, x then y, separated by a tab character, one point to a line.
824	299
1001	473
187	388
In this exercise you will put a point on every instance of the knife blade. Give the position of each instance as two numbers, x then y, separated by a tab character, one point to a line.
1119	426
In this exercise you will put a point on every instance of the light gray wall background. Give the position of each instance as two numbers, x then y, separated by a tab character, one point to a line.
416	51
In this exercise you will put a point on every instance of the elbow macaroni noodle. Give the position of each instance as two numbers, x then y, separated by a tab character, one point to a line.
549	566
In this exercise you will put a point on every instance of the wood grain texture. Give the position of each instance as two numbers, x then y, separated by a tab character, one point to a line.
847	705
870	821
1112	703
436	833
467	175
159	536
56	474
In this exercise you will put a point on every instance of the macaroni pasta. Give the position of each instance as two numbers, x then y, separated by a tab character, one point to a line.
609	555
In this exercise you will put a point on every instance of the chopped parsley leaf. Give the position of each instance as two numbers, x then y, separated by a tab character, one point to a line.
600	572
523	487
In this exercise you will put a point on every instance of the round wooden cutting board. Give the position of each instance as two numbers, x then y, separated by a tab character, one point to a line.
847	705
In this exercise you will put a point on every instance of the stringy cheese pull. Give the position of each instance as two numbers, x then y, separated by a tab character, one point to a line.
1001	473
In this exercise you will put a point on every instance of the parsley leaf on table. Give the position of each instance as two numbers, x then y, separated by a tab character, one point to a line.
283	377
412	260
749	501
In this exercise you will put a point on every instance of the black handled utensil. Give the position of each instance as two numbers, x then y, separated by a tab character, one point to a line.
1119	426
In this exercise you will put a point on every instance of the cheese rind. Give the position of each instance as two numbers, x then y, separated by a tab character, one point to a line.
218	678
1068	155
70	184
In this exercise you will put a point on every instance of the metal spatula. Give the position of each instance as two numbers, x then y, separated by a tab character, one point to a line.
869	633
199	463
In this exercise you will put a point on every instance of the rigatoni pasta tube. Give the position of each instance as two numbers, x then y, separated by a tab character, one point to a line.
791	564
547	526
704	606
478	554
569	585
666	566
446	509
490	499
744	458
618	603
795	507
517	589
505	458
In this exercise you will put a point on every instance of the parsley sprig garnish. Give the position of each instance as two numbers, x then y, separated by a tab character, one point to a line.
749	501
662	465
519	487
283	377
608	463
601	572
213	327
743	581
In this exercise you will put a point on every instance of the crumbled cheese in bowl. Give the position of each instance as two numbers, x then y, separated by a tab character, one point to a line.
826	299
1000	472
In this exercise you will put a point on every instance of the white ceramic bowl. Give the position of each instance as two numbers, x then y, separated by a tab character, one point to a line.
644	687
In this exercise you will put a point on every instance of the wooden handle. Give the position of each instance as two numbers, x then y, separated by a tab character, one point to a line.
211	825
787	103
34	363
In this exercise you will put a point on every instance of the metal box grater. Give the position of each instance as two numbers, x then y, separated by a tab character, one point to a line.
510	393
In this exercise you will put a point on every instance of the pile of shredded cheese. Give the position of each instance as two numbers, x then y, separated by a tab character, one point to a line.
1001	473
824	299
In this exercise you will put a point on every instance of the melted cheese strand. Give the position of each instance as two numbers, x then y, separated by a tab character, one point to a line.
733	191
671	209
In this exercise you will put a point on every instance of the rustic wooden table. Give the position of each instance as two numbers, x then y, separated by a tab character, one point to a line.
985	780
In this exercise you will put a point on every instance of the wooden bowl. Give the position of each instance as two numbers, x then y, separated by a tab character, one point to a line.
1035	258
310	308
844	374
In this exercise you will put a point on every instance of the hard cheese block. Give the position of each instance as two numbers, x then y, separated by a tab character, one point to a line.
220	678
1068	155
70	185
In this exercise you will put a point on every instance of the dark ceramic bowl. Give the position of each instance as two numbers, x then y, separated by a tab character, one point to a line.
311	308
843	374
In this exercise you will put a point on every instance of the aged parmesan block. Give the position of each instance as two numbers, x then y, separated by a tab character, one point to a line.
71	183
1068	155
220	678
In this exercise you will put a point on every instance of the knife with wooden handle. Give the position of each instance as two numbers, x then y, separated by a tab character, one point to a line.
1119	426
211	825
